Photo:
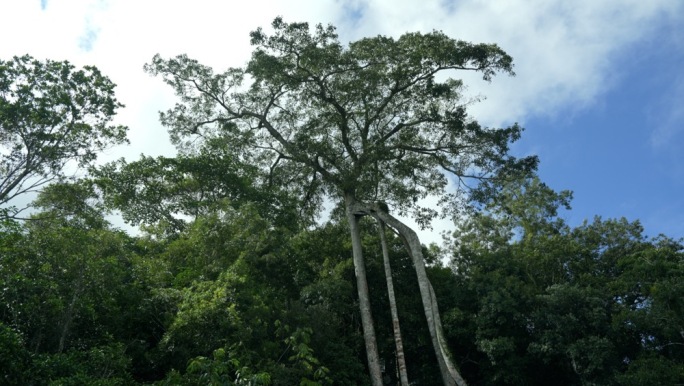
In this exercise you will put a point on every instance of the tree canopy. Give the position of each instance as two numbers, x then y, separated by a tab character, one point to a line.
51	114
231	282
370	118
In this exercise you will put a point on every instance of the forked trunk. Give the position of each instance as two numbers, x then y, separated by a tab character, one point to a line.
362	288
401	362
450	375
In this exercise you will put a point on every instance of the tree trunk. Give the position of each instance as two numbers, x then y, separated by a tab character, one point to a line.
362	288
401	362
67	318
450	375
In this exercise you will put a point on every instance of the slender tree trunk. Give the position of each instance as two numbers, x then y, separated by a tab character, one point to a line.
67	318
69	313
362	288
38	341
401	362
450	375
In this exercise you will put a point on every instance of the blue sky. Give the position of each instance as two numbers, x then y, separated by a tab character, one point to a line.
623	156
599	85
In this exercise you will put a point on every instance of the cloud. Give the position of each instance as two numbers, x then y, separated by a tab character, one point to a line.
93	18
565	52
88	38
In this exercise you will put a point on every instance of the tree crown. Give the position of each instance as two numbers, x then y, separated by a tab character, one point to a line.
369	119
50	114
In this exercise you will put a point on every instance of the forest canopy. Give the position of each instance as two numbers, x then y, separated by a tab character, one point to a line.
231	281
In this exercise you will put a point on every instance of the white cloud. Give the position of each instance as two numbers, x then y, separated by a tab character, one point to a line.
564	51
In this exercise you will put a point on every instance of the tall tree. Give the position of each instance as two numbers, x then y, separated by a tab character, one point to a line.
398	342
357	123
51	114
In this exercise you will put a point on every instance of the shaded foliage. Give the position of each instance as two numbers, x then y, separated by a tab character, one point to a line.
51	114
568	306
234	298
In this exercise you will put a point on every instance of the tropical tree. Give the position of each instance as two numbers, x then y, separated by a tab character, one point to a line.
357	124
543	302
51	114
70	292
177	190
399	344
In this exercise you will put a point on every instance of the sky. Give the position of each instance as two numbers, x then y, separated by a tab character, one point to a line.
599	85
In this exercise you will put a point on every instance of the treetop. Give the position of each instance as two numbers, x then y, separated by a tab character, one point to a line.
370	119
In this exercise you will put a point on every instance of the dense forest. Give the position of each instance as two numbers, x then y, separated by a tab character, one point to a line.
235	278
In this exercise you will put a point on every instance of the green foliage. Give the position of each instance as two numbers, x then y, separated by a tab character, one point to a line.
369	119
572	306
15	360
234	298
51	114
233	278
653	370
152	190
101	365
71	289
220	369
303	358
